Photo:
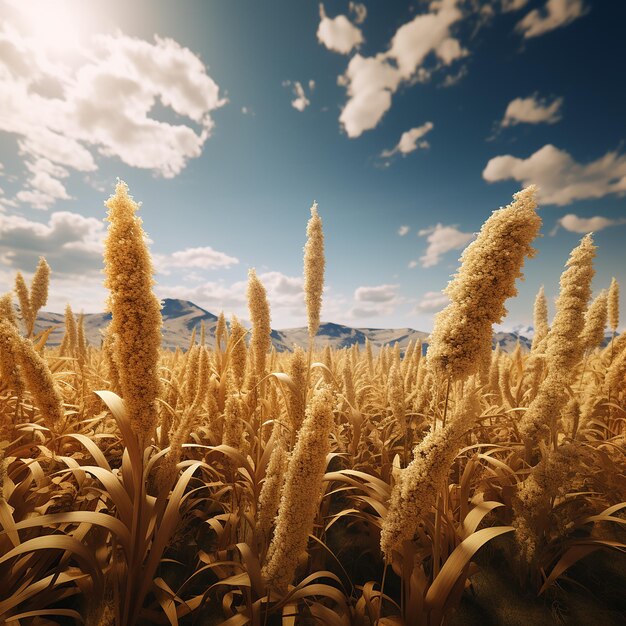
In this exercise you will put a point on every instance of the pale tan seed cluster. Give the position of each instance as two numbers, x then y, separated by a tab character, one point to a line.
314	263
70	338
540	319
595	323
553	476
564	345
489	268
31	301
238	353
7	311
415	491
613	305
298	369
269	498
9	362
39	289
395	397
136	311
233	421
34	371
23	299
298	505
260	317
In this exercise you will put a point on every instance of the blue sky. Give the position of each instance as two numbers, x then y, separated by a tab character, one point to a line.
408	123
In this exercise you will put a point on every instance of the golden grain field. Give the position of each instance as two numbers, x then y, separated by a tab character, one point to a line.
238	485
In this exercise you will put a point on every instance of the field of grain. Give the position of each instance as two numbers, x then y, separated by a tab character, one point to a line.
239	486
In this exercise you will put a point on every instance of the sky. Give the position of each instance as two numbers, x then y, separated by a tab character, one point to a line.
407	122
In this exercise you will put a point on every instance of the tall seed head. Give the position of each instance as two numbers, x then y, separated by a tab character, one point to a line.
238	351
9	364
613	305
260	317
298	369
595	323
314	263
7	311
39	286
303	484
220	332
71	330
36	374
24	299
565	348
489	267
136	311
416	488
82	340
540	318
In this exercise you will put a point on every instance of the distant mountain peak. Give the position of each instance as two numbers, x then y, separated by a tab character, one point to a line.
175	307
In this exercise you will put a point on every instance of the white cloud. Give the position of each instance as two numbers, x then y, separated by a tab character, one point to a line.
403	230
205	258
555	14
583	225
432	301
339	34
560	178
410	141
412	264
532	110
101	103
359	10
71	243
372	81
376	301
441	239
378	293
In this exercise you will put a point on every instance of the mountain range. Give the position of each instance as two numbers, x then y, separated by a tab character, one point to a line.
180	317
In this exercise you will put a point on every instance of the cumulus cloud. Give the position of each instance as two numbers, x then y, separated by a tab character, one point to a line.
378	293
403	230
371	81
205	258
412	264
432	301
532	110
582	225
410	141
375	301
555	14
102	106
339	34
442	239
71	243
560	178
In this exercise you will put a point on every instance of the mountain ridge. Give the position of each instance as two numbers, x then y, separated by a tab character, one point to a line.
180	317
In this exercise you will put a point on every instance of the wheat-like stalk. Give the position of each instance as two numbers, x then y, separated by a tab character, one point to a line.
136	311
